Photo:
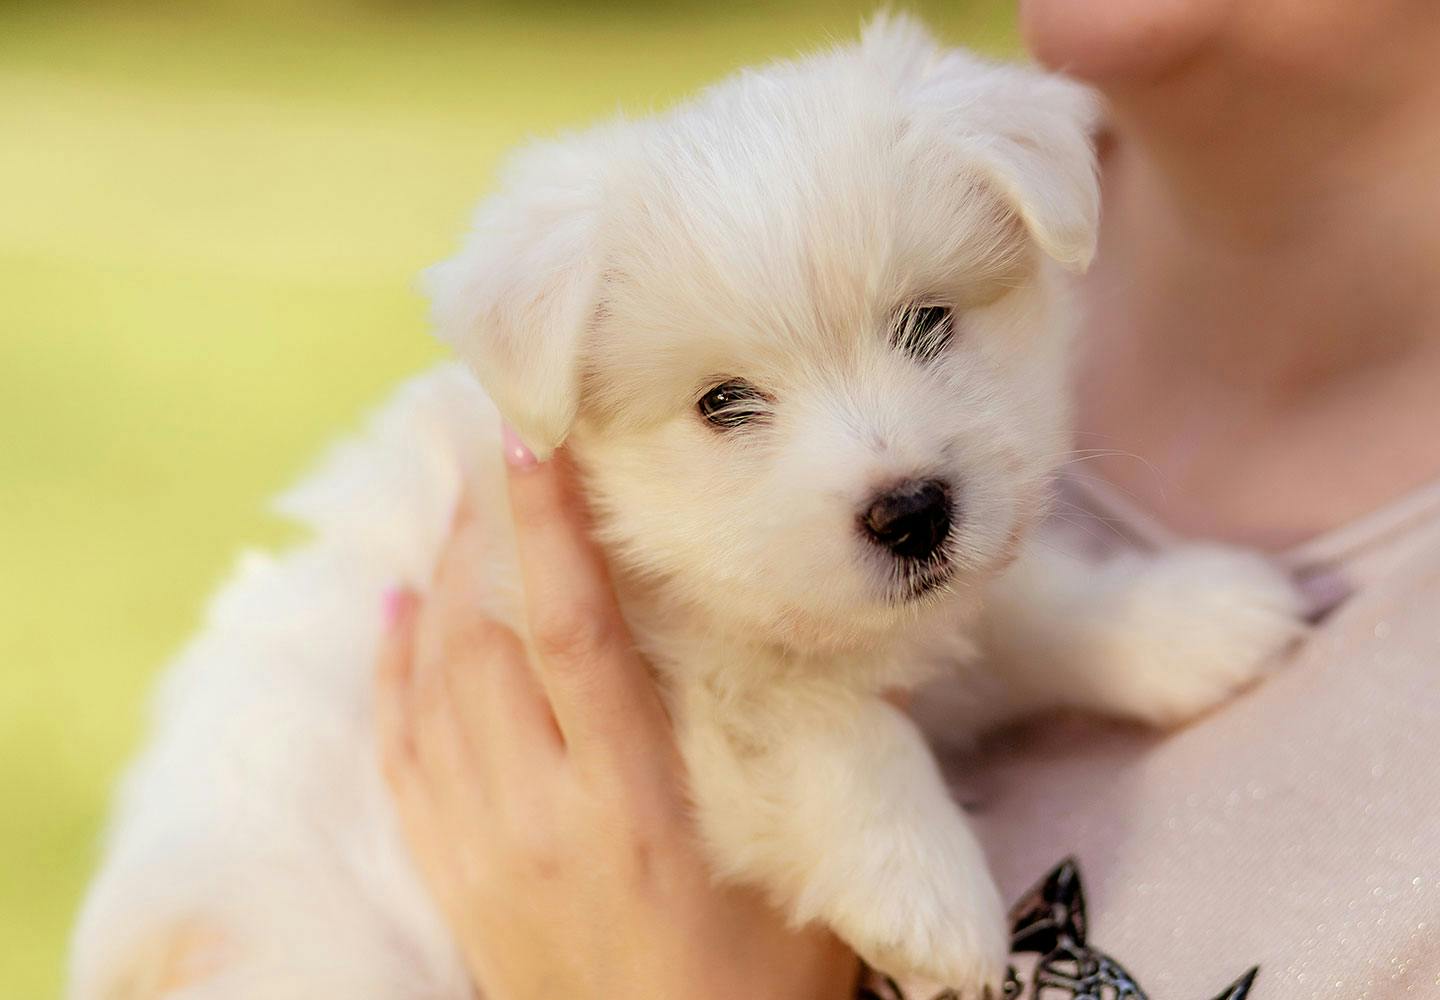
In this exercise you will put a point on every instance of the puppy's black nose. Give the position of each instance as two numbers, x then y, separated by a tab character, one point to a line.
911	520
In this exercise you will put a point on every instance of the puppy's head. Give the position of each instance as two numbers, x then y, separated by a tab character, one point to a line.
805	333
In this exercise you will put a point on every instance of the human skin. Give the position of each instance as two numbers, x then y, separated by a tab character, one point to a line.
543	796
1259	363
1262	335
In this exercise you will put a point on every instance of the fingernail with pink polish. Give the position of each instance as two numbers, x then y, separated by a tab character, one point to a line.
517	455
391	605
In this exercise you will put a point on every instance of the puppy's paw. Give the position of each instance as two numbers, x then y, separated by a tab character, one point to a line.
929	931
956	943
1190	627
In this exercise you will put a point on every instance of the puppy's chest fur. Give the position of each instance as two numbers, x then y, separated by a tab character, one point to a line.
742	682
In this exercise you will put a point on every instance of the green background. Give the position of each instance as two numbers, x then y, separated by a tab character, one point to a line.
210	221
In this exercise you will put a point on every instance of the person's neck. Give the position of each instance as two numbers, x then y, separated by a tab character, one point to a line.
1265	302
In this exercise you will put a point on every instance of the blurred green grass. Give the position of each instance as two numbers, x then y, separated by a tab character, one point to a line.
210	219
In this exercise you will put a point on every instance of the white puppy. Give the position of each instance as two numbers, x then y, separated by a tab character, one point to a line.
806	339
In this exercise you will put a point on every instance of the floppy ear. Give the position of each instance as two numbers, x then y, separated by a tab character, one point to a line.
1031	134
517	300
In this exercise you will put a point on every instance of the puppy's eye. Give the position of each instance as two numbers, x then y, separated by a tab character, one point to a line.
923	331
733	403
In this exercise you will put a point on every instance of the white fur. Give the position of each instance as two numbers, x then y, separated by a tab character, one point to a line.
770	230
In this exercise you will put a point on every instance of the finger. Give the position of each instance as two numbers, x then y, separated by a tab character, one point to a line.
487	670
445	759
460	589
487	751
499	706
452	777
602	695
399	763
523	751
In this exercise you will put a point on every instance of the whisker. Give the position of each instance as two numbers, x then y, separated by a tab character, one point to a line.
1104	483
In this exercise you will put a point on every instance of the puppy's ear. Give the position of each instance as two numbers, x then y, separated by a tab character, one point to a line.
1031	135
518	299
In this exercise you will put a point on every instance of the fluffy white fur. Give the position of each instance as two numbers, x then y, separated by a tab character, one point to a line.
772	230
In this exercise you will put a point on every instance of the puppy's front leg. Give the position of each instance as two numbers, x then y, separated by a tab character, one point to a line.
840	812
1156	637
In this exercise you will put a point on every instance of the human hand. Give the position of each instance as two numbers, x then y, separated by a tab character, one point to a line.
542	794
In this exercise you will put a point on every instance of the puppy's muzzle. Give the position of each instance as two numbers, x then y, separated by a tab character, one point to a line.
911	520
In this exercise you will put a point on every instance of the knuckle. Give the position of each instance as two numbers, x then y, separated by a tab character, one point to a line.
543	866
535	853
640	857
644	839
578	635
650	853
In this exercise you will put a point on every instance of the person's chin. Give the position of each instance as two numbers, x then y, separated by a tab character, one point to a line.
1120	41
